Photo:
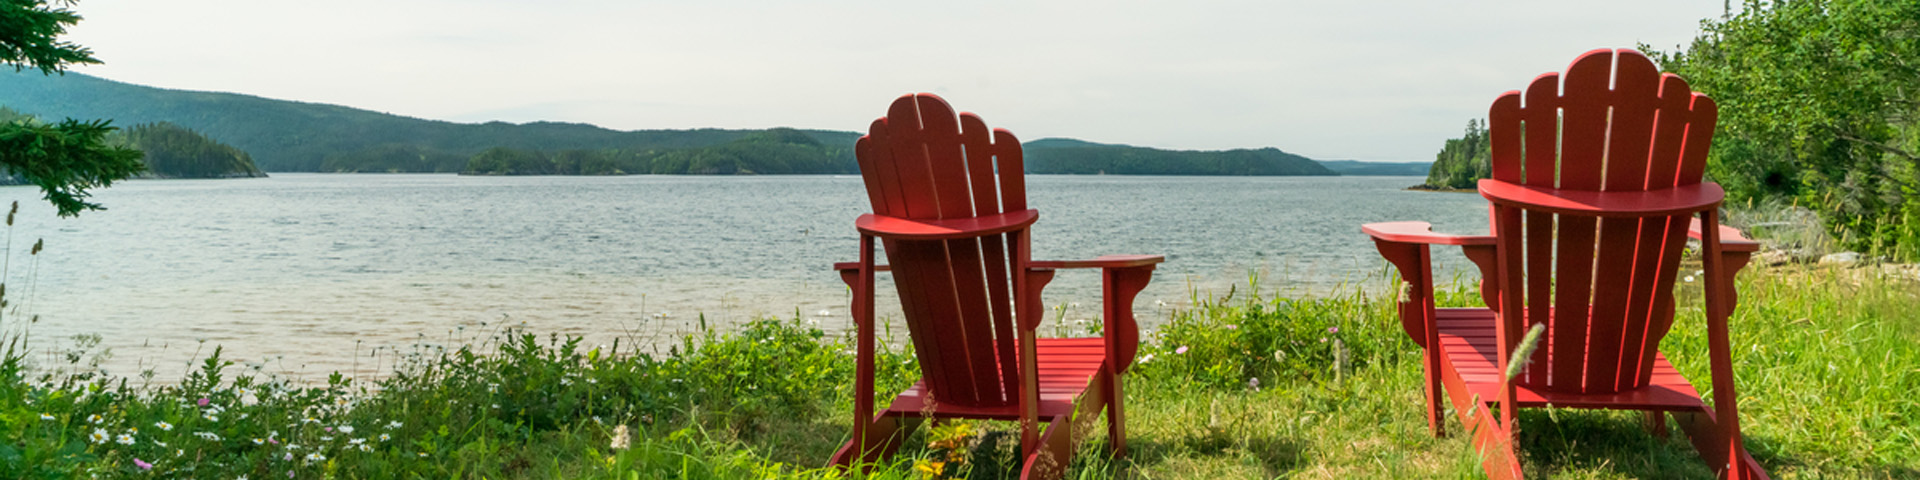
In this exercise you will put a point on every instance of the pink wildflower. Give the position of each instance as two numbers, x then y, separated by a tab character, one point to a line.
204	401
1333	329
1182	349
142	465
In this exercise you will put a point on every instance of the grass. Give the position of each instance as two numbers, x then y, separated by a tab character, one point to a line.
1235	387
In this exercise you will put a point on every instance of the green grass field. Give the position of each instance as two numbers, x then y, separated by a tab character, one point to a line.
1249	386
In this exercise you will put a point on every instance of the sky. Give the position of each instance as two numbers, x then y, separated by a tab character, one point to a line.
1386	80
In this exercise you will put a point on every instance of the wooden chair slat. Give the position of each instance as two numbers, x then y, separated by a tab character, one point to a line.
1634	100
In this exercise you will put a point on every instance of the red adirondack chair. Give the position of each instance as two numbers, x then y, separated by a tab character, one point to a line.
1588	243
950	207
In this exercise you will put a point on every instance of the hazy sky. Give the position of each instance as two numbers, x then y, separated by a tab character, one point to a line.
1329	79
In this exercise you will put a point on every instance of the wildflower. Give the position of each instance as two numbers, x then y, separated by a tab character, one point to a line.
591	380
620	438
315	457
1233	327
1254	384
142	465
179	451
393	425
123	439
384	437
1689	278
203	401
95	419
259	441
423	455
99	436
1333	329
293	446
326	438
356	441
286	458
46	417
163	426
210	436
346	429
1181	350
493	387
210	417
1323	339
310	419
1148	358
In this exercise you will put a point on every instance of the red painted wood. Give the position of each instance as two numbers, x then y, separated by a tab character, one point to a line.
950	210
1420	232
1595	175
1583	110
1730	238
1670	201
1539	256
1537	122
895	228
1506	155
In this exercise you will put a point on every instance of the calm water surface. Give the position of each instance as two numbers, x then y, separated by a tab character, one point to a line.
303	270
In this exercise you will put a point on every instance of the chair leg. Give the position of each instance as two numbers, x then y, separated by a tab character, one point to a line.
1116	417
1436	417
1709	438
1656	423
883	437
1049	462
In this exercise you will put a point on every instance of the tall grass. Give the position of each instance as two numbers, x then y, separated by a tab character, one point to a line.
1251	385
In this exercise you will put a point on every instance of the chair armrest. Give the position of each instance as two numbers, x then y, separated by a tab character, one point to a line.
1103	261
1731	240
1420	232
1666	201
1121	278
852	266
896	228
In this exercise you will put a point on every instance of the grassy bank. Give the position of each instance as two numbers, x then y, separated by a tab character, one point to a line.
1236	387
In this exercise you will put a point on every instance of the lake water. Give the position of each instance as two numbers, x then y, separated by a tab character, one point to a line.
303	270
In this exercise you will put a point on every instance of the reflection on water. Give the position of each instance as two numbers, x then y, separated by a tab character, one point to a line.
309	268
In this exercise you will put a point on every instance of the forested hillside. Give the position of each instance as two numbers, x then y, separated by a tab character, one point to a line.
1057	155
296	136
176	152
775	151
308	137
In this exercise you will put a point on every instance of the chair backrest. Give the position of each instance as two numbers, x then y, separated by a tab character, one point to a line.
921	161
1603	286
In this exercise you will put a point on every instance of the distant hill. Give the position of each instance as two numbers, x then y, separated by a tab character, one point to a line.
285	135
1384	169
296	136
1068	156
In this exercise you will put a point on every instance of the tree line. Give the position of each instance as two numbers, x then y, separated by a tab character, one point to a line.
771	152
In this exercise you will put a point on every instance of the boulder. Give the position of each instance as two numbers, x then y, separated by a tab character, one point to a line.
1842	258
